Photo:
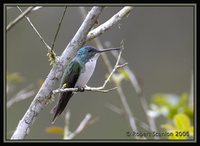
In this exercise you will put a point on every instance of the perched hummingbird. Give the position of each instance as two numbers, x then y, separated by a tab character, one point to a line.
77	74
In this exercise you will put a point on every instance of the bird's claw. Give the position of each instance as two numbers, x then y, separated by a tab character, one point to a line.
81	89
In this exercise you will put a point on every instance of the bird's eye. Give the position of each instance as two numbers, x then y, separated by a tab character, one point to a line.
89	50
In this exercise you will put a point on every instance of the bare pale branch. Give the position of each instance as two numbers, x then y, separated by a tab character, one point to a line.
81	126
114	108
108	24
21	95
16	20
66	128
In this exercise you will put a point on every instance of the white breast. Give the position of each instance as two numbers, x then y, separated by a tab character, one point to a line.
87	73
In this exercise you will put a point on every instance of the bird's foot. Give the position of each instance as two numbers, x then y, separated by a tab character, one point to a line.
81	89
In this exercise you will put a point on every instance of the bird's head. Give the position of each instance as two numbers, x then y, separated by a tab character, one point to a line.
88	52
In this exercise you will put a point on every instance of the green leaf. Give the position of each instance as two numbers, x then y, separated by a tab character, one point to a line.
182	122
189	112
174	104
174	137
161	100
181	129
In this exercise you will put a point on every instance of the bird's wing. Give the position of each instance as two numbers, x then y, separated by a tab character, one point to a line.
69	78
71	74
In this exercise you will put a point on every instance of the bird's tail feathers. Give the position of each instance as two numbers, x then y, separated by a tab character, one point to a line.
62	103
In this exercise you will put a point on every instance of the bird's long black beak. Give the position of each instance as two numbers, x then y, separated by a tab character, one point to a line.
110	49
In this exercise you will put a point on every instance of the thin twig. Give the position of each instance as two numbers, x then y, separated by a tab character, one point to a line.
16	20
95	89
108	24
131	74
51	54
138	89
60	22
41	38
21	95
81	126
66	128
121	112
122	96
115	108
127	109
37	8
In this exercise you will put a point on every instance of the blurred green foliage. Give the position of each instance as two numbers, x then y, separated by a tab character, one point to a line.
177	112
14	77
119	77
169	105
181	128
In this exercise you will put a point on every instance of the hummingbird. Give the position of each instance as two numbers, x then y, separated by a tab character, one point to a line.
77	74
